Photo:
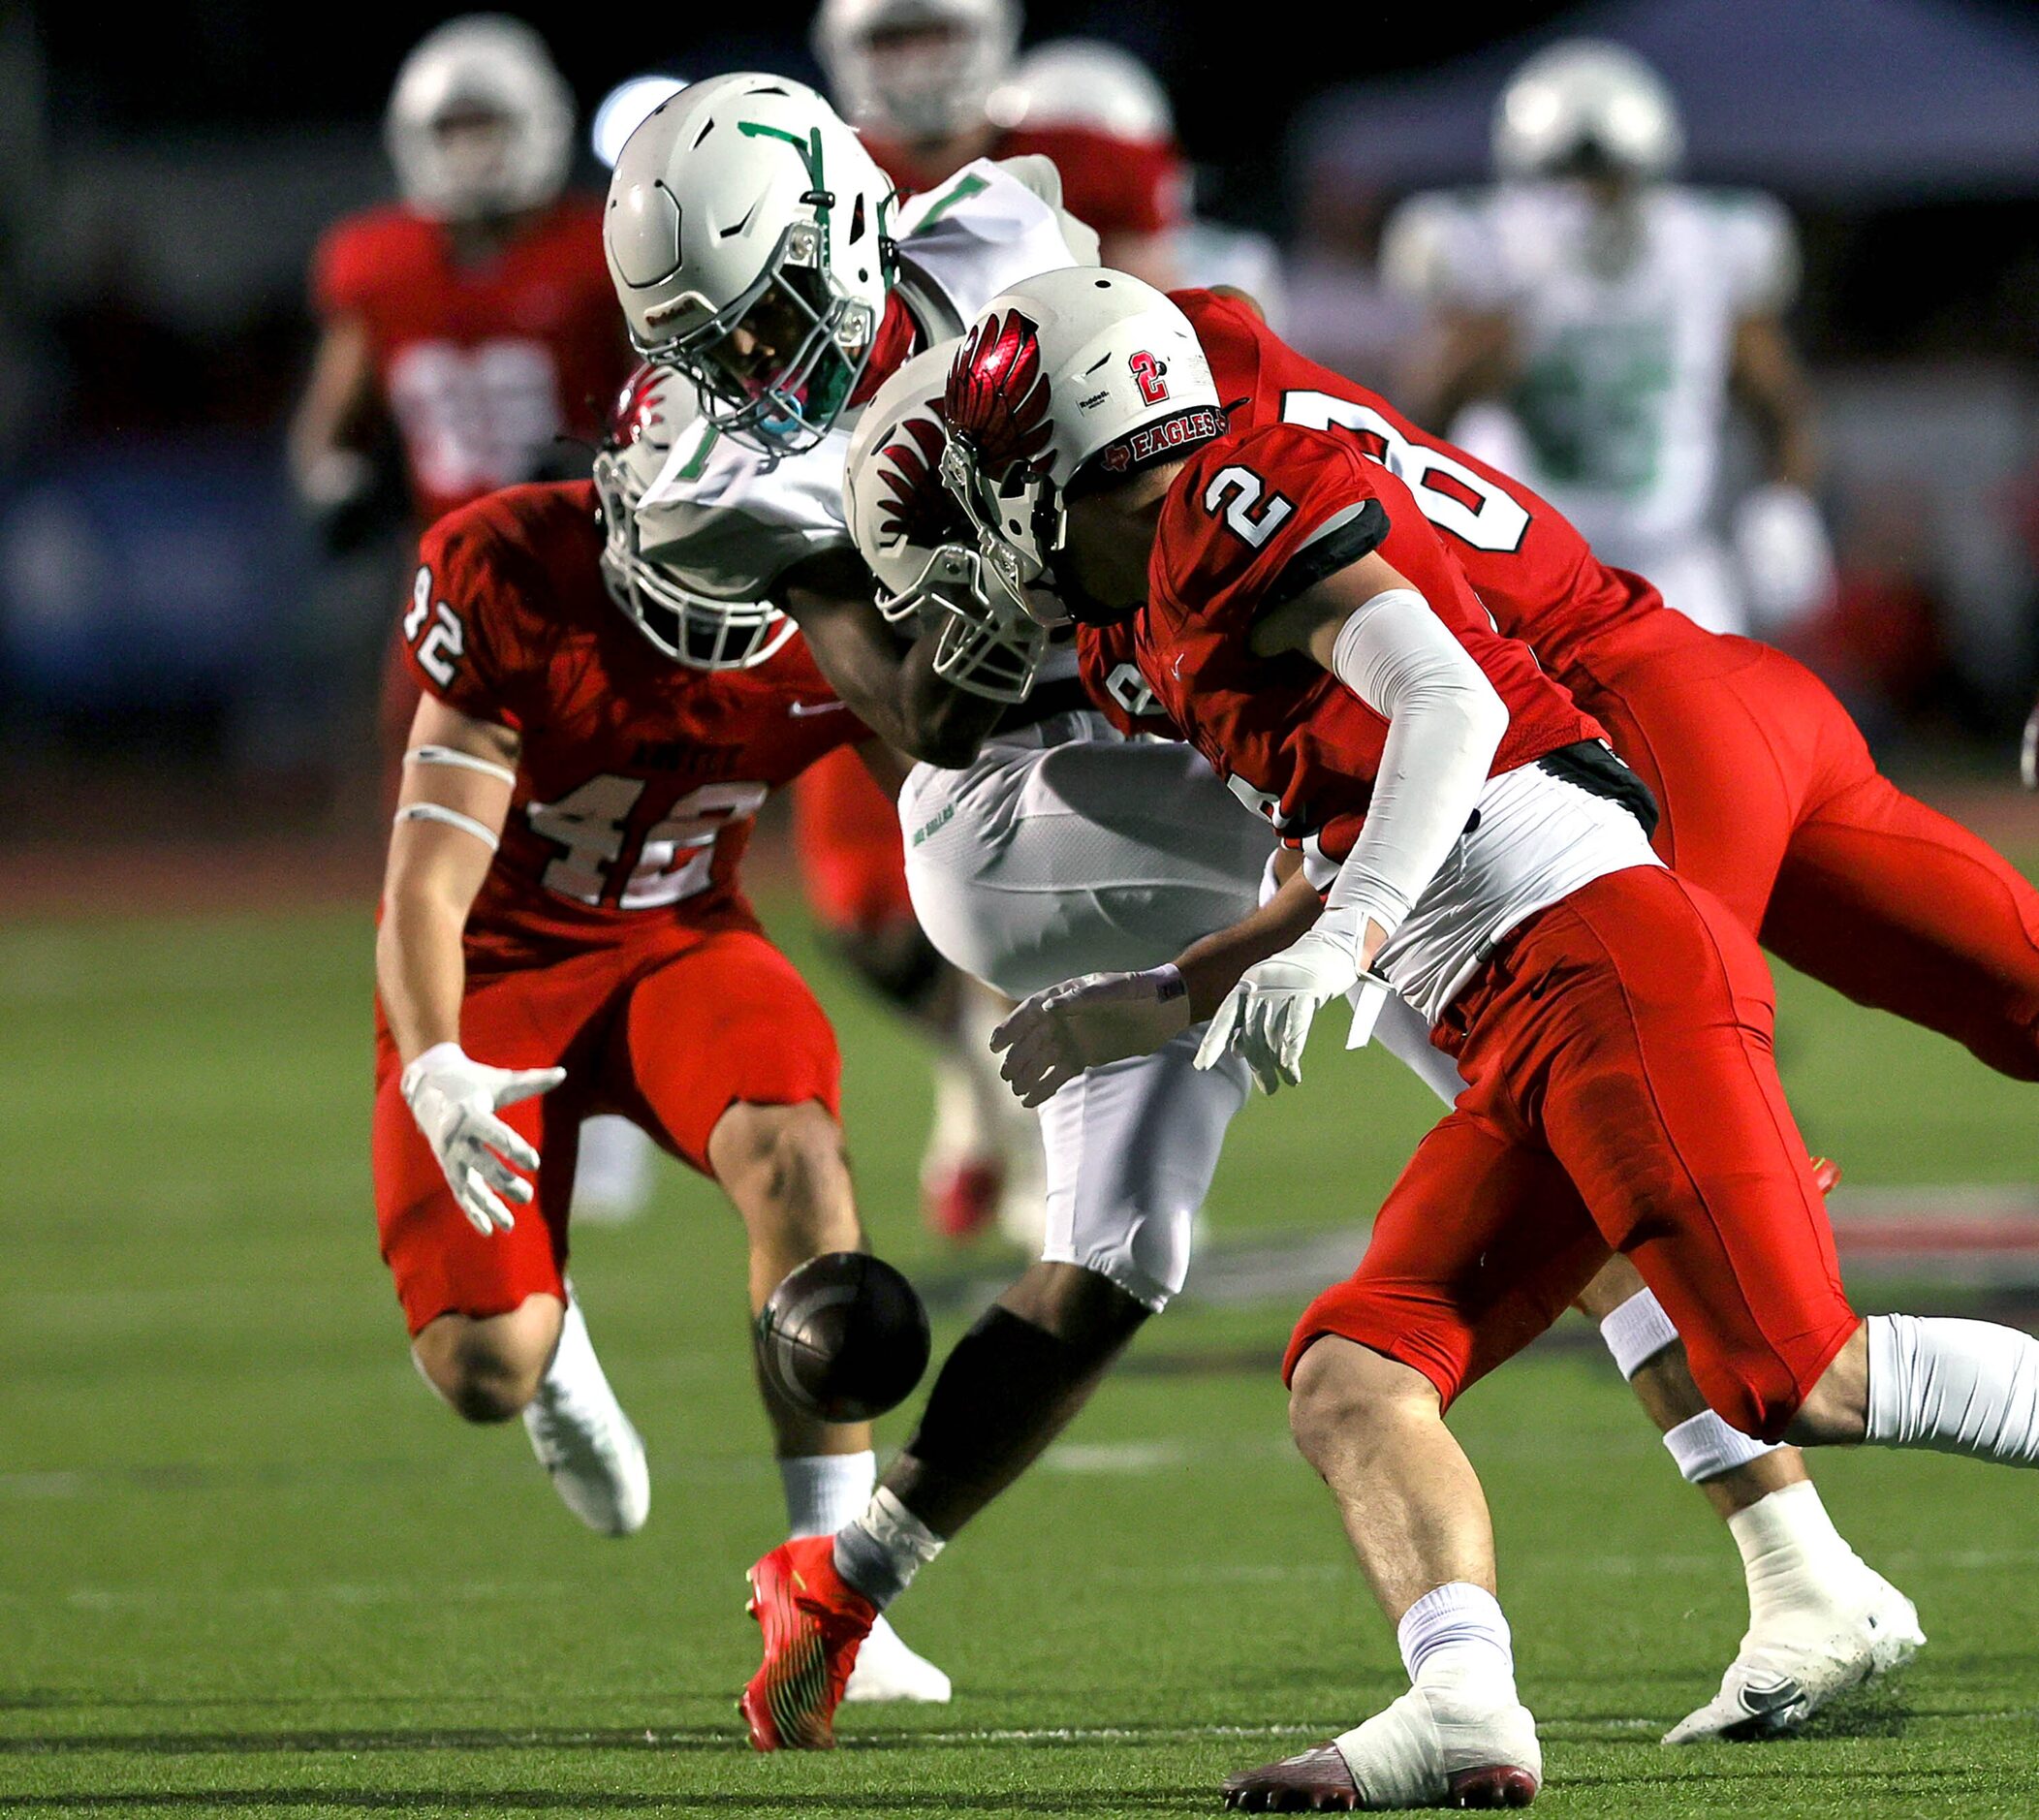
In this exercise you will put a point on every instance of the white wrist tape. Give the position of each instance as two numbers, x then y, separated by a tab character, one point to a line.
1706	1447
1636	1332
459	761
452	818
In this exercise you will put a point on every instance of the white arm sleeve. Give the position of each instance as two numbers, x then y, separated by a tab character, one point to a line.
1444	725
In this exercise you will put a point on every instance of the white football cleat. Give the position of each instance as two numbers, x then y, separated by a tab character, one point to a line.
1804	1656
584	1439
888	1670
1443	1744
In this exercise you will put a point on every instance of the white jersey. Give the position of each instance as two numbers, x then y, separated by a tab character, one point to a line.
726	521
1624	338
1537	837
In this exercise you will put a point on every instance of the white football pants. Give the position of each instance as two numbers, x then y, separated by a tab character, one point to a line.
1066	849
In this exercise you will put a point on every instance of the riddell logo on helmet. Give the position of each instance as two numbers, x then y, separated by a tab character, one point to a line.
1139	447
1151	375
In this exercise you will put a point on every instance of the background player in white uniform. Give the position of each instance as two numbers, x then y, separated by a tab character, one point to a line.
1613	314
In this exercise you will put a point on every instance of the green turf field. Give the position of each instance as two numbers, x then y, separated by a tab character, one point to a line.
248	1566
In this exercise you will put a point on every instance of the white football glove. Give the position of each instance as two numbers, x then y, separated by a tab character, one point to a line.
1786	559
1086	1022
454	1100
1265	1018
2028	752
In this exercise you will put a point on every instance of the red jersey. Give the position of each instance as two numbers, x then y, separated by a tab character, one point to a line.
482	368
1129	186
1254	519
1531	569
639	778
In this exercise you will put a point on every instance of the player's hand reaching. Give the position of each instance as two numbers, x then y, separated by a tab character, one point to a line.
454	1100
1086	1022
1267	1017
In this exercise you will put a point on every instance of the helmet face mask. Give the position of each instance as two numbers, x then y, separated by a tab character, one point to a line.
775	368
689	628
915	540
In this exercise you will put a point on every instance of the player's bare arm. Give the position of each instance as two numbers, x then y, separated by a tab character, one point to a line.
458	773
1772	385
895	693
458	776
1471	355
334	420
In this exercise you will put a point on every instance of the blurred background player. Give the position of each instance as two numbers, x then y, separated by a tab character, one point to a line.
469	327
563	896
932	85
1613	314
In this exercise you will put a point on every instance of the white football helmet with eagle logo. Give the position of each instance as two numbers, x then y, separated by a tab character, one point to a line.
1071	377
654	408
746	231
915	540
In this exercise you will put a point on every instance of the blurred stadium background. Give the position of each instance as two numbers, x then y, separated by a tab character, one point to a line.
197	1339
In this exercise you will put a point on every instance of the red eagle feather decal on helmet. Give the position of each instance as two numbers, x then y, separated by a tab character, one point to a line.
997	396
637	406
916	505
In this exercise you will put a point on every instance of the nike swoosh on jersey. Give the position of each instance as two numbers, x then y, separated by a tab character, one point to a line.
800	710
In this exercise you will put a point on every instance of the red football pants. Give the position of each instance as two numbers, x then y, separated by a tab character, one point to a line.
669	1033
852	858
1621	1095
1772	802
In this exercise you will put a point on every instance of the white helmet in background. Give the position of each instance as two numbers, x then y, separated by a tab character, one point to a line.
916	69
918	542
1075	378
653	410
481	123
1084	82
745	202
1584	106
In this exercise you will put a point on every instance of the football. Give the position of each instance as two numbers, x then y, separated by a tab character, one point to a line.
844	1336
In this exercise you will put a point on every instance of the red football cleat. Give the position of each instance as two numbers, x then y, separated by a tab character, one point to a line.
813	1625
960	1201
1826	1173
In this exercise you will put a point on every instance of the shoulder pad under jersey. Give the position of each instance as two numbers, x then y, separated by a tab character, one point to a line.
991	225
728	524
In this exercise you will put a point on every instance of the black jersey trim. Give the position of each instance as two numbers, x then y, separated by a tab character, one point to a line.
1340	540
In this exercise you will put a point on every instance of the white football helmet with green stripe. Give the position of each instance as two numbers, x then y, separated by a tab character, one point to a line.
747	236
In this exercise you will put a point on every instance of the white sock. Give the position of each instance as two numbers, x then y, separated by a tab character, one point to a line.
879	1553
1458	1633
1958	1387
1787	1539
573	1357
826	1490
1704	1447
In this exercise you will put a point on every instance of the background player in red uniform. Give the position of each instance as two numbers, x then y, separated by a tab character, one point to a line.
1612	1023
473	319
563	931
473	316
930	83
